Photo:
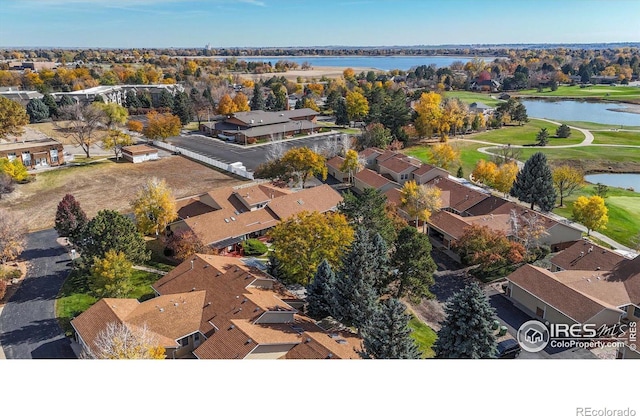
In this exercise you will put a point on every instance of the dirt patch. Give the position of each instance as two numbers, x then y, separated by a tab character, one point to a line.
429	311
598	166
108	185
12	286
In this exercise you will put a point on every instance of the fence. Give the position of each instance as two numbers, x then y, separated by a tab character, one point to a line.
204	159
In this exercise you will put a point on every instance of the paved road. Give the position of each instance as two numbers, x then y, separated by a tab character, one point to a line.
28	326
251	157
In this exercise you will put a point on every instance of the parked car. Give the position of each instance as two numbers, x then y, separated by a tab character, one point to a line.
509	348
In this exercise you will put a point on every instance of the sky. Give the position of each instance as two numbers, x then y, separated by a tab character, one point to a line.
282	23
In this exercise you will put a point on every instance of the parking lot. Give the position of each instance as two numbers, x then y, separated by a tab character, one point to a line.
250	156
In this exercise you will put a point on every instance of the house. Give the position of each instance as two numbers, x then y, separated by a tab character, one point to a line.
20	96
34	153
367	178
333	168
462	195
490	85
600	297
139	153
480	108
398	168
247	127
584	255
426	173
214	307
224	217
172	320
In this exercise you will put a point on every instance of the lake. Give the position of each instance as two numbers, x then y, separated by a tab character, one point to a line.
384	63
618	180
573	110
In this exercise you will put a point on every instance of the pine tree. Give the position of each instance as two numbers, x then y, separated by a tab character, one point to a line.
182	107
369	212
460	172
466	331
257	101
166	99
563	131
534	183
37	110
362	273
387	334
342	117
70	218
51	103
321	292
413	265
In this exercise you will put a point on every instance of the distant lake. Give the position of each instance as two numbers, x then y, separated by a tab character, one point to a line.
572	110
618	180
384	63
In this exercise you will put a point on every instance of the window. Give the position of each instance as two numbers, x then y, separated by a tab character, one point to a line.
540	313
54	155
184	342
636	312
26	159
11	156
196	337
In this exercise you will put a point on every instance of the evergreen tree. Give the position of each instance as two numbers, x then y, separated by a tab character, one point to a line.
182	107
460	172
356	287
387	334
369	212
280	103
563	131
70	218
413	265
542	138
166	99
51	103
321	292
65	101
131	100
270	103
298	105
257	101
534	183
342	117
110	230
37	110
466	331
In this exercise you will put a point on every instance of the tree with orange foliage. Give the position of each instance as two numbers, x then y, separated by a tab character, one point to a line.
226	105
160	126
241	102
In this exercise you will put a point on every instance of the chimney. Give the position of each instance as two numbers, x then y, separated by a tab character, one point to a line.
191	264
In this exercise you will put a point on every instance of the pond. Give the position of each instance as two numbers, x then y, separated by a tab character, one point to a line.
573	110
618	180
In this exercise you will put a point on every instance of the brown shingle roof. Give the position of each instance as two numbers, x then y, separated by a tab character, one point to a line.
335	162
544	285
397	164
371	150
584	255
450	223
372	179
461	197
192	207
138	149
595	285
487	206
321	198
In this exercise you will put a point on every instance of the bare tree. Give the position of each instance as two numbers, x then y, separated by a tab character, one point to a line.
507	153
118	341
529	228
80	122
12	235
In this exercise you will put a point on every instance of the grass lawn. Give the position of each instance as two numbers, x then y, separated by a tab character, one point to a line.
624	212
617	137
469	155
615	154
75	297
608	92
469	97
595	126
526	134
424	336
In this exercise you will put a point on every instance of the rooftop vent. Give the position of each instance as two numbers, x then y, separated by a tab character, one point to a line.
590	249
300	201
232	326
161	309
582	254
307	340
175	304
226	220
256	309
248	341
233	218
330	355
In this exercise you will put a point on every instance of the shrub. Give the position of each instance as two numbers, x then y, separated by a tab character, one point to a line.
6	274
3	288
251	140
253	247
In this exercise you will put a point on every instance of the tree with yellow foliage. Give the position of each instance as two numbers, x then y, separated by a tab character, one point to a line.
161	125
357	106
116	140
226	105
567	180
591	212
302	241
118	341
351	164
420	201
303	162
15	169
485	172
429	114
443	155
111	276
154	207
505	177
13	117
241	102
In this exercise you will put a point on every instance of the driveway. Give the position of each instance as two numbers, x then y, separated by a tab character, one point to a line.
251	156
512	317
28	326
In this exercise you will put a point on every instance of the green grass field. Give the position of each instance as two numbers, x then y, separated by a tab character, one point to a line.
624	212
608	92
617	137
424	336
615	154
469	97
595	126
75	296
526	134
